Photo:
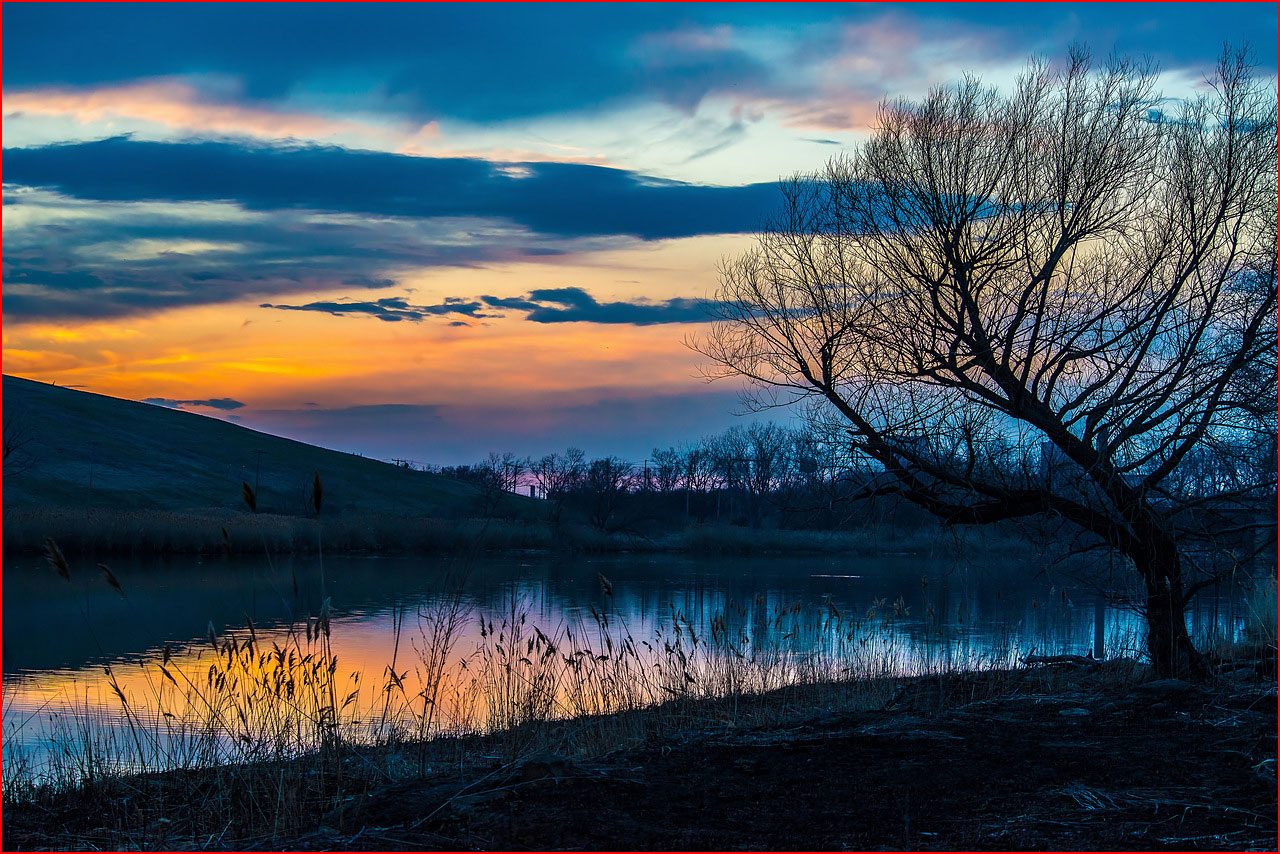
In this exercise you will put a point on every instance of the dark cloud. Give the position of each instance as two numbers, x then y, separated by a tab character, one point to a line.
391	309
266	221
91	270
545	305
485	63
569	305
519	303
418	62
682	69
559	199
223	403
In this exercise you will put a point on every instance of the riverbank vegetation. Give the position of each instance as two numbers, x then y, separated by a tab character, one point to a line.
262	740
106	531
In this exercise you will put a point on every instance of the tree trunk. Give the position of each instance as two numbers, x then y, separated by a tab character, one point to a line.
1169	645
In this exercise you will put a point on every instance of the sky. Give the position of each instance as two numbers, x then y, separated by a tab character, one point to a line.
433	231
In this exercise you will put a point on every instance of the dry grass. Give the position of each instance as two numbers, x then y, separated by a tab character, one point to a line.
105	531
143	532
264	735
265	730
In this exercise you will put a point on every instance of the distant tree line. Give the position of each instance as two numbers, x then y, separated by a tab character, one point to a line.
761	473
765	474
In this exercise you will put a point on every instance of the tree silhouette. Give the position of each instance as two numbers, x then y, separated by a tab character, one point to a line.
1039	302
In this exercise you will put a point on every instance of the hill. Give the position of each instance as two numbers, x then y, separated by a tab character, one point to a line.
85	450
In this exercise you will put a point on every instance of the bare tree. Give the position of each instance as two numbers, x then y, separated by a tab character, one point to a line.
606	481
697	469
769	448
506	468
1065	277
490	484
557	476
667	466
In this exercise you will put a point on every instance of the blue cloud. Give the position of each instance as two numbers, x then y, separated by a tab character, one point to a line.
563	199
391	309
519	303
545	305
570	305
316	217
491	62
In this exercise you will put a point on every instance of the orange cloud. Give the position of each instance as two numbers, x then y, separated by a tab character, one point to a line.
181	106
503	381
171	104
834	112
282	359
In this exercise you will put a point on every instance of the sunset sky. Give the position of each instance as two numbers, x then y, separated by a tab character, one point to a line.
432	231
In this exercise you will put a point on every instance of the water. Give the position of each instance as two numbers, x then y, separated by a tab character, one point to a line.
67	647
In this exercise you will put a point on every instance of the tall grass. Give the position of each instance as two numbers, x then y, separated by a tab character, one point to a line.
255	697
107	531
264	730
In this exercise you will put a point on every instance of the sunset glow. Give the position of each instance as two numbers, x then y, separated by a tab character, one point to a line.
495	229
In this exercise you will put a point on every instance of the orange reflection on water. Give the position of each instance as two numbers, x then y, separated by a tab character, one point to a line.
259	693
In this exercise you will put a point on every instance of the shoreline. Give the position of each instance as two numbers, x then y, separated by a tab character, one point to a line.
109	531
1057	758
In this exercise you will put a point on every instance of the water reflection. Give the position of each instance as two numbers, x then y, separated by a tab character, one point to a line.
79	654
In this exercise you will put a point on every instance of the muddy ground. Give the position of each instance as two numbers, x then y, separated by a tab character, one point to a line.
1053	762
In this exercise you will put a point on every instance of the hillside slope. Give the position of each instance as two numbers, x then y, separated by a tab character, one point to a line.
142	456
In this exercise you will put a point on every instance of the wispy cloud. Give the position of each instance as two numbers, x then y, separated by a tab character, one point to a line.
223	403
572	305
122	227
562	199
424	62
545	305
174	104
391	309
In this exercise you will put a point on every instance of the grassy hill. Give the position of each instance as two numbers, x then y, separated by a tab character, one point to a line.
146	457
169	482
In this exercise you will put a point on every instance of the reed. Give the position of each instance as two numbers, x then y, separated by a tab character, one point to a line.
262	730
253	696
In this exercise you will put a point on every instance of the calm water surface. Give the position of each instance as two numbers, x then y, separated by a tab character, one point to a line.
941	611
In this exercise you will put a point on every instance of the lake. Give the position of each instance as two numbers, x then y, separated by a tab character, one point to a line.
82	660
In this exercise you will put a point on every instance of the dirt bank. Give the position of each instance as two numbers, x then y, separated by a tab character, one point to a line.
1030	760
